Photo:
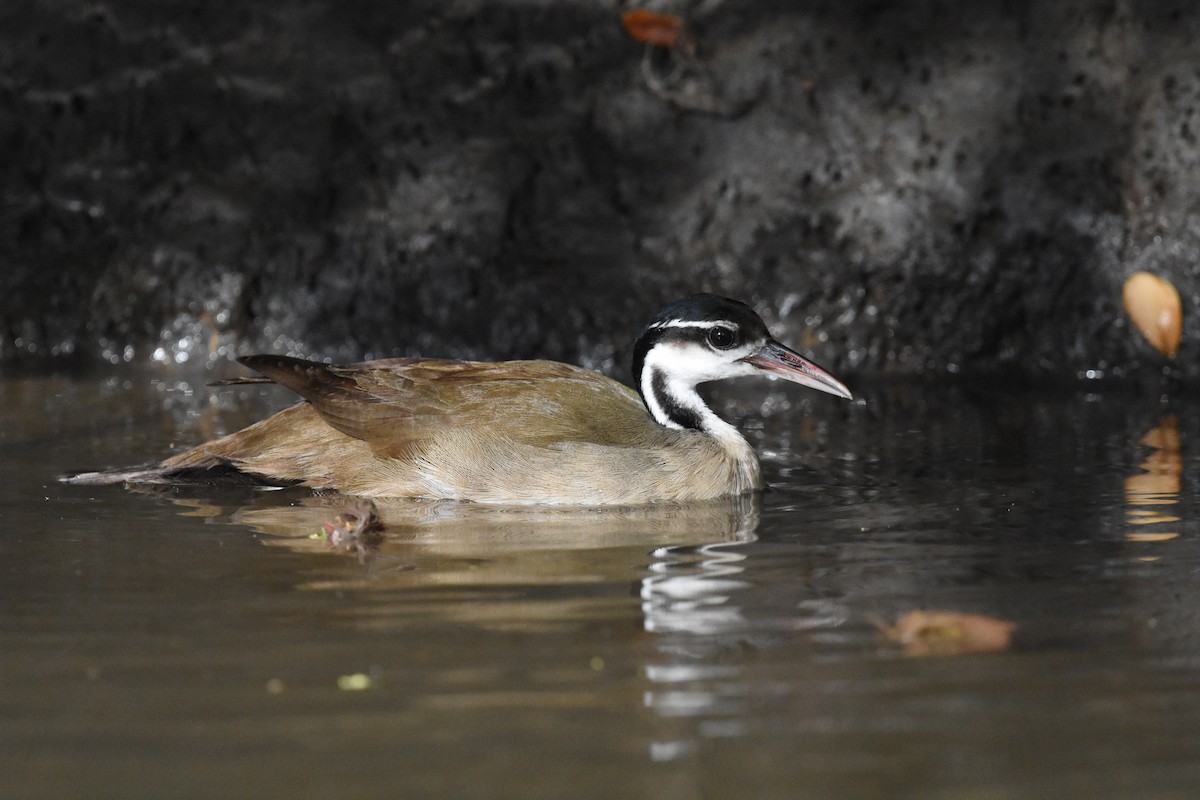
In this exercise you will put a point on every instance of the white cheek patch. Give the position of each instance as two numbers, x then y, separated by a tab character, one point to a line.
683	366
690	364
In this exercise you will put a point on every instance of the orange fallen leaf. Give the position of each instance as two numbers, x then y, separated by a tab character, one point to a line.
1154	306
654	27
949	633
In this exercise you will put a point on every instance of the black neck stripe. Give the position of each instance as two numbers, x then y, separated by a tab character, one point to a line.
678	413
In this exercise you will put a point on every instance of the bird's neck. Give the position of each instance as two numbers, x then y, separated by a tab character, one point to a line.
676	404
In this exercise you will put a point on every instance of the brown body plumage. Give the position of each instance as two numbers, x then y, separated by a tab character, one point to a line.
506	432
515	432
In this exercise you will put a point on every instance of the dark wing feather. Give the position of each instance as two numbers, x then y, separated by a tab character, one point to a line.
395	404
305	378
345	397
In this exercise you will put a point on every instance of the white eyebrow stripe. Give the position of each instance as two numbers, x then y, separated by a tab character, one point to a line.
682	323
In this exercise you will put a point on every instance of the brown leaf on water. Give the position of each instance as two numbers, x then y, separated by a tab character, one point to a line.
1154	306
949	633
655	27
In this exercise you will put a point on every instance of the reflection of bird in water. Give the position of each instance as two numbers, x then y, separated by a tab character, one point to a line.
443	544
356	527
514	432
470	530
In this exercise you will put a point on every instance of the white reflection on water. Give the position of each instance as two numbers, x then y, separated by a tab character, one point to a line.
694	597
691	594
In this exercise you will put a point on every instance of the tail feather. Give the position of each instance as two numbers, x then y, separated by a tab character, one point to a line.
240	381
216	472
146	473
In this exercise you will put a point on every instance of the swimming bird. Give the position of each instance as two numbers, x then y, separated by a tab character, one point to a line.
513	432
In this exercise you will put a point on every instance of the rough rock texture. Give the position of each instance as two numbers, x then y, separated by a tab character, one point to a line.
900	187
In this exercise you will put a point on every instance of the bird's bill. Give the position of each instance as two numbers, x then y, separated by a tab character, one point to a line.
776	359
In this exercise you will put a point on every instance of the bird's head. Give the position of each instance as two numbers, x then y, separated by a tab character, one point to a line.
704	338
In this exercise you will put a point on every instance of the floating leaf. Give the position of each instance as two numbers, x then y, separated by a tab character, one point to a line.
654	27
949	633
1154	306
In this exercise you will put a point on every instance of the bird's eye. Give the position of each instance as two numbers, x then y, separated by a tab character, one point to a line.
722	338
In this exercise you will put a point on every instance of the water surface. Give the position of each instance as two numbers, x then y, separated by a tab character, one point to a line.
205	643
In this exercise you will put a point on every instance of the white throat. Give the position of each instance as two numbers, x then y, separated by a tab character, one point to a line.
674	402
668	383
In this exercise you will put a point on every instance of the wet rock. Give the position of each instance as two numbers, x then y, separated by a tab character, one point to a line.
919	188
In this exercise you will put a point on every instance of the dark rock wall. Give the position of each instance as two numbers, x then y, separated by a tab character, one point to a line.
926	186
